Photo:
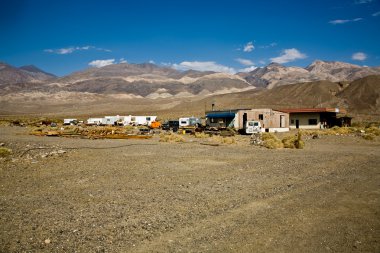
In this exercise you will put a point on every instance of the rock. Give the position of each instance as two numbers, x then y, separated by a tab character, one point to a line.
2	144
47	241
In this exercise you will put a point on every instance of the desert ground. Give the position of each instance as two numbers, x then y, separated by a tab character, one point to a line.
80	195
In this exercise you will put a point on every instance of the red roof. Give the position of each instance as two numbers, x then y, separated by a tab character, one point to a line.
301	110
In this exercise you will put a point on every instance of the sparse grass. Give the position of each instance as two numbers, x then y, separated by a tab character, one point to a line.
4	152
223	140
369	136
171	137
289	141
271	141
201	135
373	130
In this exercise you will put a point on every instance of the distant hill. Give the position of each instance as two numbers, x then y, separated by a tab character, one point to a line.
25	74
276	74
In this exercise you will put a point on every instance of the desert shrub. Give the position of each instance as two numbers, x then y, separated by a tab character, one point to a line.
171	137
201	135
342	130
299	143
289	141
271	141
4	152
369	136
373	130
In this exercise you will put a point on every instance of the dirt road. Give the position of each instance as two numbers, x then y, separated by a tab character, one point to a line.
147	196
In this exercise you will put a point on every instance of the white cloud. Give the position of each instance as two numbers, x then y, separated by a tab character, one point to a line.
152	62
273	44
289	55
262	62
69	50
249	47
248	69
122	60
344	21
359	56
203	66
376	14
102	63
245	62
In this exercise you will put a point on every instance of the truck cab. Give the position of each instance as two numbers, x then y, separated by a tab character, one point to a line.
252	127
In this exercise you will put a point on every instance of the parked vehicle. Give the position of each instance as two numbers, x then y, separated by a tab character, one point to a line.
189	122
170	125
252	127
70	121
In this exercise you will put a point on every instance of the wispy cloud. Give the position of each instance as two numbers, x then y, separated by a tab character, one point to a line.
101	63
273	44
203	66
376	14
248	69
249	47
245	62
122	60
359	56
363	1
69	50
289	55
344	21
151	62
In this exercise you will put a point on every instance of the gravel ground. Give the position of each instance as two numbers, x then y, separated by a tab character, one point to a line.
149	196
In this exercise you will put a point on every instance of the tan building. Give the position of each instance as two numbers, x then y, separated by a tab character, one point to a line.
317	118
271	120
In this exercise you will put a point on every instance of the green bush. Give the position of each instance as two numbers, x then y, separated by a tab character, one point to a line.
4	152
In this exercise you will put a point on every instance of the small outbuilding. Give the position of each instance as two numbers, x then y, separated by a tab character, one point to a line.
317	118
271	120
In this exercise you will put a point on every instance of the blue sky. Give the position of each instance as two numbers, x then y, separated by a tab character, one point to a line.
226	35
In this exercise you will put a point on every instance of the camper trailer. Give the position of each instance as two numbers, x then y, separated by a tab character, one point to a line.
189	122
96	121
70	121
138	120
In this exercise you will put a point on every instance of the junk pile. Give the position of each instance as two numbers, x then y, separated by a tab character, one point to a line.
94	132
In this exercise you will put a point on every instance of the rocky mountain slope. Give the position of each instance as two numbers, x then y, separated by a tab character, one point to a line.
27	74
275	74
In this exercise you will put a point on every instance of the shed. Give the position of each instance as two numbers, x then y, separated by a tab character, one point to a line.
317	118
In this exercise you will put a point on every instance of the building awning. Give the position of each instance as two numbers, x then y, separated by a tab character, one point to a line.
221	115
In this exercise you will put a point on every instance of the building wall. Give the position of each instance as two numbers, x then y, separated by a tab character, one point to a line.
268	118
306	120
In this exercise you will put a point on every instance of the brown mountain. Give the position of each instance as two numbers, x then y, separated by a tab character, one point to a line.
276	74
25	74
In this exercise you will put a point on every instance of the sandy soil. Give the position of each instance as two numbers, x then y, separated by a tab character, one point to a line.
147	196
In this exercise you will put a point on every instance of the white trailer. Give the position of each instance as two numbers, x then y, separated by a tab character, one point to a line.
96	121
138	120
69	121
189	122
114	120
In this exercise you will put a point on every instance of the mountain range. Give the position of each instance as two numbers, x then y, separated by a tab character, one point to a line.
146	86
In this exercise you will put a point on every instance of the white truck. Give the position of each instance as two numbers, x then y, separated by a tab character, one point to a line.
252	127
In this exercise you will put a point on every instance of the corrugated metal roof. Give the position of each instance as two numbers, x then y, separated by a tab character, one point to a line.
301	110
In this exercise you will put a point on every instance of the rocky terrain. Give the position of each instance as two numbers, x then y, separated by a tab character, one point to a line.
80	195
276	74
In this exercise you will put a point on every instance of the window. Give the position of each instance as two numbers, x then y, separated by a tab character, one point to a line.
292	121
221	121
261	116
313	122
147	118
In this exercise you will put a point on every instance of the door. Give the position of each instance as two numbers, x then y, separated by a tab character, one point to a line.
245	117
297	123
282	121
